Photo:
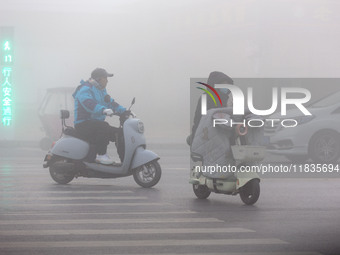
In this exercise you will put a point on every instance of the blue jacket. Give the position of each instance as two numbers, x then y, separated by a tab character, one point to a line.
89	102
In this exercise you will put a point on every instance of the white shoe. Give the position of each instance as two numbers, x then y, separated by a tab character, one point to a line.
104	159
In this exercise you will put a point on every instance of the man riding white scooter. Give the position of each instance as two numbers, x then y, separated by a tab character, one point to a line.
92	105
73	155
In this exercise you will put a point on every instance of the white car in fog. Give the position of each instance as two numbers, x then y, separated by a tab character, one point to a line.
316	136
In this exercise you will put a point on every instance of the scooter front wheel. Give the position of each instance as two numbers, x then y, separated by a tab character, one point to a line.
250	192
201	191
148	175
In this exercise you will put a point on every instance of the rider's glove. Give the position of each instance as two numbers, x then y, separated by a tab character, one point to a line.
120	109
107	112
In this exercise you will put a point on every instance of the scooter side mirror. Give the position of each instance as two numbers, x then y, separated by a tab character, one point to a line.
132	103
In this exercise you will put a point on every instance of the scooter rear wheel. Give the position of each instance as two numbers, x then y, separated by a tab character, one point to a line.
250	192
60	177
148	175
201	191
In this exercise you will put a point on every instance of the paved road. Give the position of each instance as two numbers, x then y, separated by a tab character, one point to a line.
94	216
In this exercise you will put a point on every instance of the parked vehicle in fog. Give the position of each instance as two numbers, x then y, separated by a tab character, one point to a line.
55	99
316	136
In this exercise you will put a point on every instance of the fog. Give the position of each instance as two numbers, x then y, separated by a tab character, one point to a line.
155	47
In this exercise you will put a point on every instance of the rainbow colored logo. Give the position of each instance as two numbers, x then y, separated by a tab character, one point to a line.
209	93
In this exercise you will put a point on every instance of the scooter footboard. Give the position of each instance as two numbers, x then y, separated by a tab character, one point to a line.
142	156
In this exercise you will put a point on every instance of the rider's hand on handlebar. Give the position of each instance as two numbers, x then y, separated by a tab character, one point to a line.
107	112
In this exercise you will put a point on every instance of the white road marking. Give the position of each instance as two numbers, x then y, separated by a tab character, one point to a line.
107	221
44	232
142	243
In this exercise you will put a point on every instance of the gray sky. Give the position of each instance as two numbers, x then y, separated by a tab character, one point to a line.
155	47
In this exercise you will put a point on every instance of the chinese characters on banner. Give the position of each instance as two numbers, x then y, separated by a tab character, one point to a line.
6	63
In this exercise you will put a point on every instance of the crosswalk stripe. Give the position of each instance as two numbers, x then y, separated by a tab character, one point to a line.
8	199
68	192
107	221
19	169
83	204
22	169
17	178
246	253
142	243
27	213
123	231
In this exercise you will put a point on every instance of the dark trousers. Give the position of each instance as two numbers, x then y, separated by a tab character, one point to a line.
98	134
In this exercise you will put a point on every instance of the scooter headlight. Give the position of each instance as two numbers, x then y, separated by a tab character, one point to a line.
140	127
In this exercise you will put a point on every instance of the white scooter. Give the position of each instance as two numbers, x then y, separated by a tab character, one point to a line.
67	158
235	151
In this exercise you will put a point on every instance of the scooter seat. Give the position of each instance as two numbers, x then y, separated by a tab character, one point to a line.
71	132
